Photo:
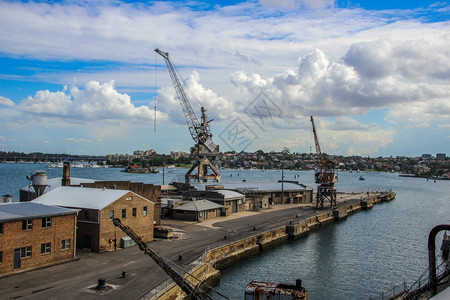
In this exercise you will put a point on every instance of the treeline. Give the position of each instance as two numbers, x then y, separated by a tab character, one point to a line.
156	161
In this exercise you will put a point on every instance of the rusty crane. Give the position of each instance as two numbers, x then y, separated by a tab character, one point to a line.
200	131
325	177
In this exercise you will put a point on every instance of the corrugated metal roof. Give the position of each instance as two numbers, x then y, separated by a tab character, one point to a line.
81	197
198	205
230	194
26	210
256	186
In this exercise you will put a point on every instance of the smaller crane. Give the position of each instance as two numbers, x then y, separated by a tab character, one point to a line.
187	285
324	175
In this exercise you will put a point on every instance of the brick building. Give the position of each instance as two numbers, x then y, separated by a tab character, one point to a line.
148	191
98	207
33	235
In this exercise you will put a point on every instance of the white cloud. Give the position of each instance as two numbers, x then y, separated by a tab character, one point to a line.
6	101
93	103
290	4
77	140
328	63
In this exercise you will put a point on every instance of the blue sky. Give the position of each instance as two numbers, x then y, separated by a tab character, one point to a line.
82	77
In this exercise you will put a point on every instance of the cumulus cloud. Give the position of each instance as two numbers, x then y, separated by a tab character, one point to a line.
328	63
363	80
6	101
93	103
198	96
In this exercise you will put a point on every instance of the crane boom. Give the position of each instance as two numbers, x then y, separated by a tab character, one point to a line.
187	286
200	132
318	150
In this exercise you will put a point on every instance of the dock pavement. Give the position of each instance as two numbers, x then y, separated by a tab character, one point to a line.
77	279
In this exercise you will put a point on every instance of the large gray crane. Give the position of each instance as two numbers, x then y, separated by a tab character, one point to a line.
200	131
324	176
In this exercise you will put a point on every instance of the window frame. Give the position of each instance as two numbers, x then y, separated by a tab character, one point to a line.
46	222
27	225
26	252
46	248
111	214
134	212
65	244
144	211
124	213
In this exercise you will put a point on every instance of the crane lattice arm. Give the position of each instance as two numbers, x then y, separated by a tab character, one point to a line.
187	286
326	166
200	132
321	161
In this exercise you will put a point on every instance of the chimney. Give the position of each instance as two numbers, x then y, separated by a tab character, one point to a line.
66	174
7	198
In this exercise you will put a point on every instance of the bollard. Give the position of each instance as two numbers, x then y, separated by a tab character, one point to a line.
101	284
225	237
123	274
180	257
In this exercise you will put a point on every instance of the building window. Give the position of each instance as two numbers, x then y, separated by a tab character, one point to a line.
134	212
129	198
111	214
124	213
46	222
25	252
45	248
65	244
27	224
86	215
1	228
144	211
1	257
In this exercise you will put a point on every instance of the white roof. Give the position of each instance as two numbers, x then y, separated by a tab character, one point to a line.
25	210
79	197
198	205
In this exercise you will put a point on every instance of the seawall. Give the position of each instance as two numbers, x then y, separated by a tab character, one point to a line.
219	257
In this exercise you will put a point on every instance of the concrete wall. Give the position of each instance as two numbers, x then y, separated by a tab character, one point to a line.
221	256
13	237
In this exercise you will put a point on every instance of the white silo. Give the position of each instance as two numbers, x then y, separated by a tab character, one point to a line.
39	182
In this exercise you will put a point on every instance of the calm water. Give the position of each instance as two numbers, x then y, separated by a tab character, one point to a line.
355	259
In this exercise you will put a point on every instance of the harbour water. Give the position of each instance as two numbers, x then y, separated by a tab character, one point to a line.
358	258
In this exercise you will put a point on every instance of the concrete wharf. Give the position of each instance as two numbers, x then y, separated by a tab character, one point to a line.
200	247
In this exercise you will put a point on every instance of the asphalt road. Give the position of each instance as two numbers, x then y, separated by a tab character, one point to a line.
78	279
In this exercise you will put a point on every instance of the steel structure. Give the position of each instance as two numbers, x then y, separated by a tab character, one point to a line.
324	176
200	131
186	283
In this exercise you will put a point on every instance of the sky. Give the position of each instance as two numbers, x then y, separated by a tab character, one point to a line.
82	77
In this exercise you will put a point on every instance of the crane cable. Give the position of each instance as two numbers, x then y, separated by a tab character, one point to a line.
156	73
186	86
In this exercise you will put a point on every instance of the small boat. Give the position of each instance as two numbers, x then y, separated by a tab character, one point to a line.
361	178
